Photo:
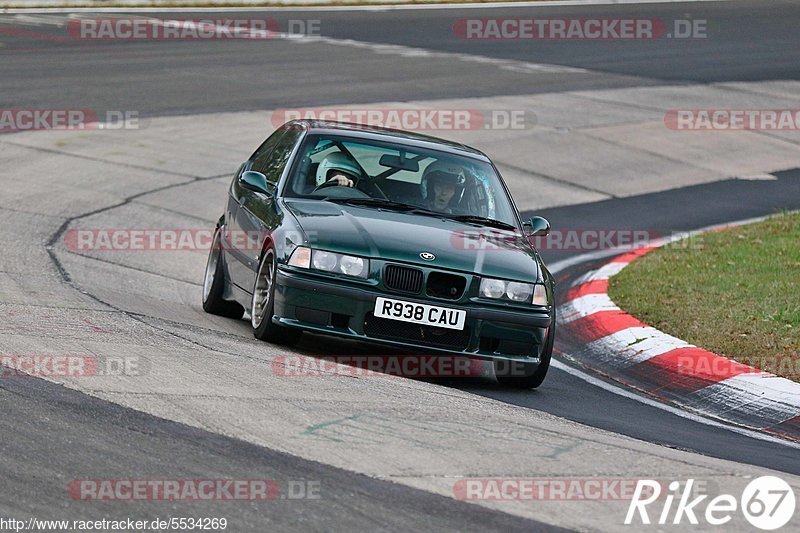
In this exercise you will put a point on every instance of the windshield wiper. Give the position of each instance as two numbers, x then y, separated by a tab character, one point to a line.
389	204
378	202
411	208
475	219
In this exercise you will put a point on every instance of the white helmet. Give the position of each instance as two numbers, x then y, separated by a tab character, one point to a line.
444	171
337	161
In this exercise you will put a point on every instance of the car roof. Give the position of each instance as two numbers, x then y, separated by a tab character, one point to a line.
406	138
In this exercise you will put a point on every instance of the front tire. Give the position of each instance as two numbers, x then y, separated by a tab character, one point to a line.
533	378
214	284
262	306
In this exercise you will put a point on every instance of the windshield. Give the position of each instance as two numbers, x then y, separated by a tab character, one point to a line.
345	169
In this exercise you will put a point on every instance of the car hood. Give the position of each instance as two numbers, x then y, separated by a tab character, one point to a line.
397	236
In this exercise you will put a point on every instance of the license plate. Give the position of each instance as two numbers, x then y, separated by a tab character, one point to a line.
430	315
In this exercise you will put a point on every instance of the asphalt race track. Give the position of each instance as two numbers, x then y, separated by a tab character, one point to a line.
385	452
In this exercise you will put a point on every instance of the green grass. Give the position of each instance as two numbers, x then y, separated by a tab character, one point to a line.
735	292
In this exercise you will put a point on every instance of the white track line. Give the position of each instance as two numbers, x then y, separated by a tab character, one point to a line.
600	254
614	389
512	65
627	393
424	53
377	7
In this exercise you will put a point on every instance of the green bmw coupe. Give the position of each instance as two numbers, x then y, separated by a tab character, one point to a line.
387	237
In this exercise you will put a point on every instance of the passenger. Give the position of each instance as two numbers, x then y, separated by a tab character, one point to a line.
442	186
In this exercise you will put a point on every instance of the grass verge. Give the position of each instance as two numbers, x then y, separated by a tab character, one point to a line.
735	292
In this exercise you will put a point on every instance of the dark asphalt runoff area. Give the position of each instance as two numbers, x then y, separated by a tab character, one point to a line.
53	435
752	40
43	66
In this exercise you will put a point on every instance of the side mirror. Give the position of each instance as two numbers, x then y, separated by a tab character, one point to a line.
255	181
537	227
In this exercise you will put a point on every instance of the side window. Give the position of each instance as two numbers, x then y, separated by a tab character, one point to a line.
267	146
271	160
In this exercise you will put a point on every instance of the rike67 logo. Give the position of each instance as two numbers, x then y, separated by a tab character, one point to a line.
767	503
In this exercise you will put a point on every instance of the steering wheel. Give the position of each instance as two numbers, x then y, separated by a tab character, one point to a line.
357	182
326	184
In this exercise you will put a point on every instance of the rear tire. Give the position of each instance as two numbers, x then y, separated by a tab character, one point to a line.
262	306
534	378
214	284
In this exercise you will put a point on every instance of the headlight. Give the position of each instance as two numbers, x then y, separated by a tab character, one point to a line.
323	260
519	292
492	288
515	291
348	265
353	266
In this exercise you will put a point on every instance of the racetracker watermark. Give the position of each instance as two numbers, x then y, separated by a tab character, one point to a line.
415	119
148	28
193	490
172	239
732	119
588	239
787	366
571	239
578	29
140	240
69	366
155	239
68	119
550	489
407	366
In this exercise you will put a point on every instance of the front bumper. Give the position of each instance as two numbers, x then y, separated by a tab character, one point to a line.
329	306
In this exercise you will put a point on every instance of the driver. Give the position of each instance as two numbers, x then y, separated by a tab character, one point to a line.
443	186
338	168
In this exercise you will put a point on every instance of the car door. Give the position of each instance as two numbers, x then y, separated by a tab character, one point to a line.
257	214
235	251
